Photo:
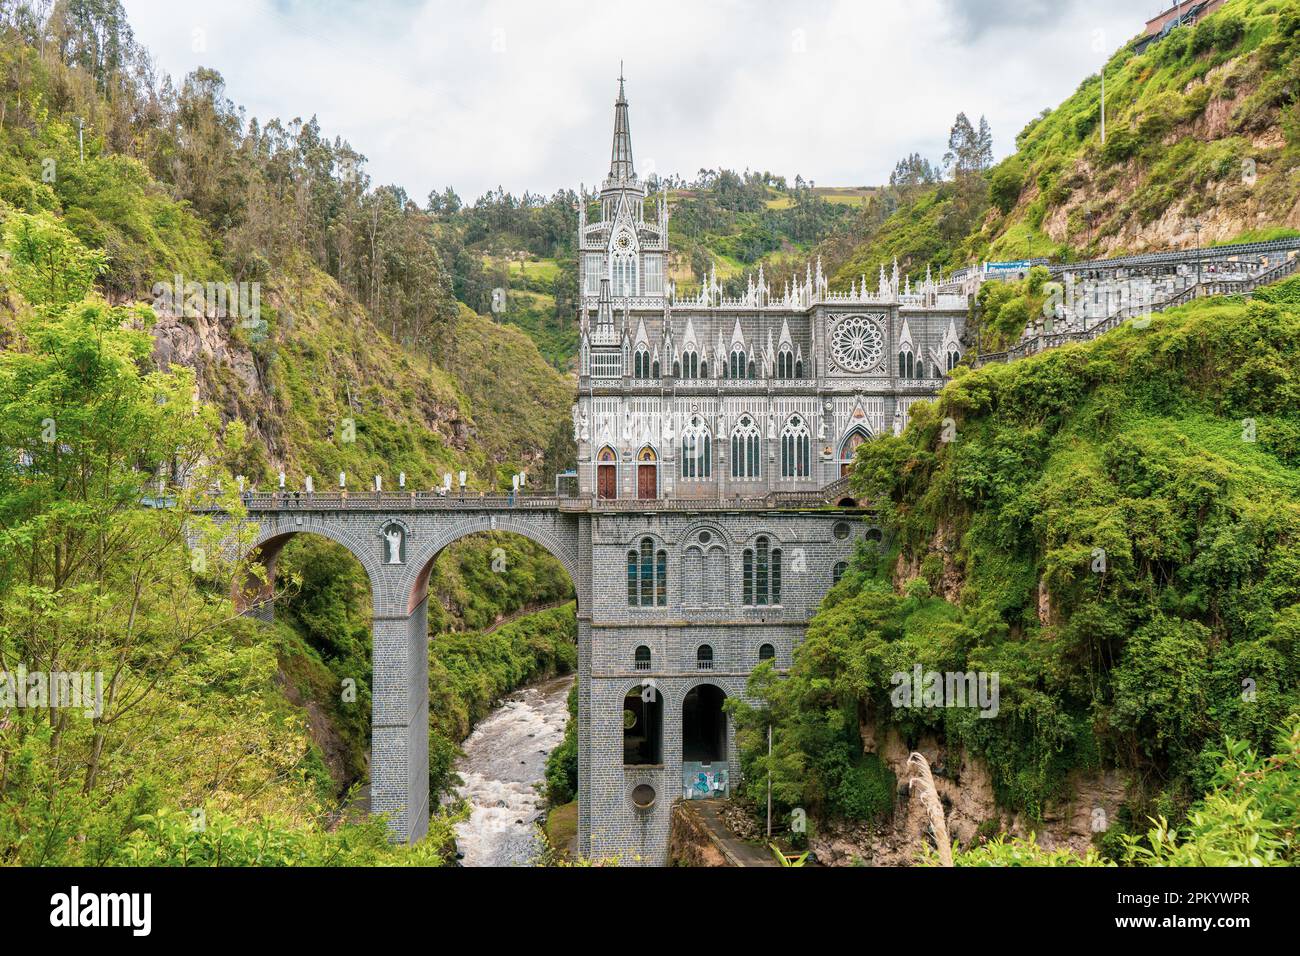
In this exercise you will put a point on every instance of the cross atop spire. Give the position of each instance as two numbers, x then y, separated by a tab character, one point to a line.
620	159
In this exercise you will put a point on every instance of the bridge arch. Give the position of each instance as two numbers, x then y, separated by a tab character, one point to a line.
425	550
253	595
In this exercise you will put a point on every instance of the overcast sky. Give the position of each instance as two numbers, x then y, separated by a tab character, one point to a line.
519	94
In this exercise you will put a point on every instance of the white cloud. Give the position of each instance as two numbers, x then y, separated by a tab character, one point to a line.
520	94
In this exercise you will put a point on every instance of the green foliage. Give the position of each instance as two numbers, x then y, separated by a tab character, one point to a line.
1006	183
562	764
1250	817
170	838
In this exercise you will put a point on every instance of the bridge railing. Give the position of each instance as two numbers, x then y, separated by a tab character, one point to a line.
290	501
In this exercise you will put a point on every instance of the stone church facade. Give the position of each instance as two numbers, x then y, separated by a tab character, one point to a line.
717	397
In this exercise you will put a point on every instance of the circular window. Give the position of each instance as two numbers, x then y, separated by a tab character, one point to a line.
842	530
643	796
706	537
857	344
629	719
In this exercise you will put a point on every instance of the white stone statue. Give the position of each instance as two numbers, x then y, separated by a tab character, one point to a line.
577	425
584	431
821	429
393	535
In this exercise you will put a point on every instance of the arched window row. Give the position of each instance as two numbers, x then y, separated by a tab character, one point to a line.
644	365
706	574
740	366
787	366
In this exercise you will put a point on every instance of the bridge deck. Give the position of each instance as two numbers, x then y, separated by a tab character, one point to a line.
261	502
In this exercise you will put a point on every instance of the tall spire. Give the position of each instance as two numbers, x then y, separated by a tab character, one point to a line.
620	158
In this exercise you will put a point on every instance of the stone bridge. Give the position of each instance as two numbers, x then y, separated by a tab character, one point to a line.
677	603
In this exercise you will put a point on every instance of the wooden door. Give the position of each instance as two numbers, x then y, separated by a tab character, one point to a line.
646	485
606	481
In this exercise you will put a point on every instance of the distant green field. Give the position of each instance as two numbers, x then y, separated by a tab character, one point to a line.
841	195
536	270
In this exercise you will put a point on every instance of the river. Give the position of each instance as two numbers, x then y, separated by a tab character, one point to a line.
504	774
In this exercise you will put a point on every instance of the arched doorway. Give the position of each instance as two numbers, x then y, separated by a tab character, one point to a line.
849	448
643	726
647	474
607	473
704	743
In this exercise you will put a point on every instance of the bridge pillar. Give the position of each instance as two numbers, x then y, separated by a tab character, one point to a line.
399	749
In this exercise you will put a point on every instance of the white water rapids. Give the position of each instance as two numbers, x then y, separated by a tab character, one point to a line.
504	773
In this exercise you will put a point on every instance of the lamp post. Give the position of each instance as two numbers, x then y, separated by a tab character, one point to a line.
769	780
1197	227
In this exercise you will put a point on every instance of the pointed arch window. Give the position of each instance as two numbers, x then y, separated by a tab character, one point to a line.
849	447
690	364
746	444
647	575
906	364
785	364
740	367
697	450
623	274
761	574
796	449
641	365
954	357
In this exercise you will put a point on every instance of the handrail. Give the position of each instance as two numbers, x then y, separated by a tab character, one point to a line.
1046	340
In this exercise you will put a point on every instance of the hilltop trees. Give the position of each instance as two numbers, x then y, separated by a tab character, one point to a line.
969	152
